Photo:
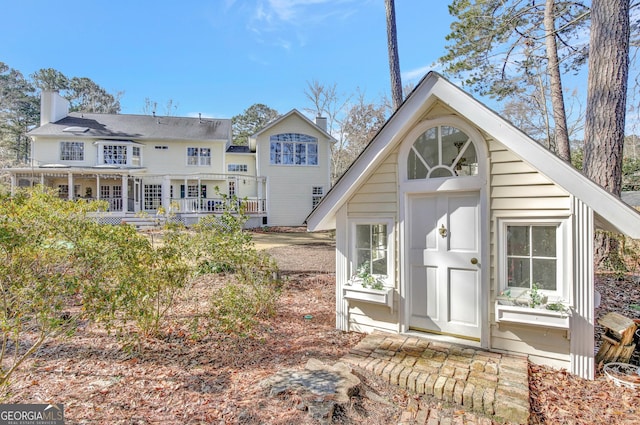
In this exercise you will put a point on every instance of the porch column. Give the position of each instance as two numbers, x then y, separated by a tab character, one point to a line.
13	184
42	179
199	205
166	193
260	194
125	193
184	204
70	184
98	186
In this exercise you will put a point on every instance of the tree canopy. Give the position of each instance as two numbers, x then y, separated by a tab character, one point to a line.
517	49
20	105
19	112
251	121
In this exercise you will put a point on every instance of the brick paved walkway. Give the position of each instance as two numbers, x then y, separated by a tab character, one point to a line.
492	384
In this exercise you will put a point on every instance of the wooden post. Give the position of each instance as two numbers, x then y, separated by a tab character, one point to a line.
617	342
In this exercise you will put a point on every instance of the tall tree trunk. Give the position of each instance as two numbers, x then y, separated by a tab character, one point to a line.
557	97
394	61
606	105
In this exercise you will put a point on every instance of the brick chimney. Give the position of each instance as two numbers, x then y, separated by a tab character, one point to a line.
321	122
53	107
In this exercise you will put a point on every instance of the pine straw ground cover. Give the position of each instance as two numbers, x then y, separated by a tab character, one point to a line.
215	378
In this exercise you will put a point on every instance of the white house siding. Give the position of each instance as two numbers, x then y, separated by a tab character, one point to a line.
173	160
247	185
290	187
49	152
517	190
377	197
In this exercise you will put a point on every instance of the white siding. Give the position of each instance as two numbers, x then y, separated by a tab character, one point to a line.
377	197
290	187
173	160
518	190
246	187
379	194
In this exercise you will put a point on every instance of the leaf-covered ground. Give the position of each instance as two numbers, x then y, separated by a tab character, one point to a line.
214	378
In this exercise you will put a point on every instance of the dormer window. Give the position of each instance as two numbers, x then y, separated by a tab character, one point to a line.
119	153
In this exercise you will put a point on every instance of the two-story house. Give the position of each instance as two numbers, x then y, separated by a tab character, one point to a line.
139	163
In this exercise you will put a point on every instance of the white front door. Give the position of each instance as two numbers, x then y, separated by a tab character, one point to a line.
444	279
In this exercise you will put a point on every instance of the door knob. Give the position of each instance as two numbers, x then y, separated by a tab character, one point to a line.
474	260
443	231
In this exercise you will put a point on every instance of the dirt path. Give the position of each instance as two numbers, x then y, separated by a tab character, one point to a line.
299	251
267	240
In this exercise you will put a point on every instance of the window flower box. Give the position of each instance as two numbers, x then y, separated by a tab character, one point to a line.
356	292
524	315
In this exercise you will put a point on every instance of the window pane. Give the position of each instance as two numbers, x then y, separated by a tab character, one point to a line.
452	142
544	274
72	151
301	153
518	272
379	235
363	236
312	154
192	156
416	169
440	172
427	147
467	165
287	153
276	153
518	240
379	264
543	240
205	156
363	257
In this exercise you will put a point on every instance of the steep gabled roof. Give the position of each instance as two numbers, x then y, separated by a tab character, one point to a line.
611	212
287	115
139	127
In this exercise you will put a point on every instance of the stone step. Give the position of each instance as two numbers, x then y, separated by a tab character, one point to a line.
478	381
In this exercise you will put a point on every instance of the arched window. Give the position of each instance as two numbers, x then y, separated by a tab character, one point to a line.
442	151
293	149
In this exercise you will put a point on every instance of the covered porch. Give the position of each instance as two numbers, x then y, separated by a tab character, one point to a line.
128	192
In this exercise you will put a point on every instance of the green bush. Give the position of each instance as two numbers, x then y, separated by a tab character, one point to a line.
223	246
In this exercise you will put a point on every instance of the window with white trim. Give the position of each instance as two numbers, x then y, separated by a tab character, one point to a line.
192	191
317	192
152	196
72	151
135	156
371	242
442	151
119	153
535	252
293	149
114	154
199	156
237	168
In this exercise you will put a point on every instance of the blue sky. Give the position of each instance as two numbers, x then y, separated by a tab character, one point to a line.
218	57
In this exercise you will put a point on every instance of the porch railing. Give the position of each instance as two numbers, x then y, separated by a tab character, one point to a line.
115	204
217	205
